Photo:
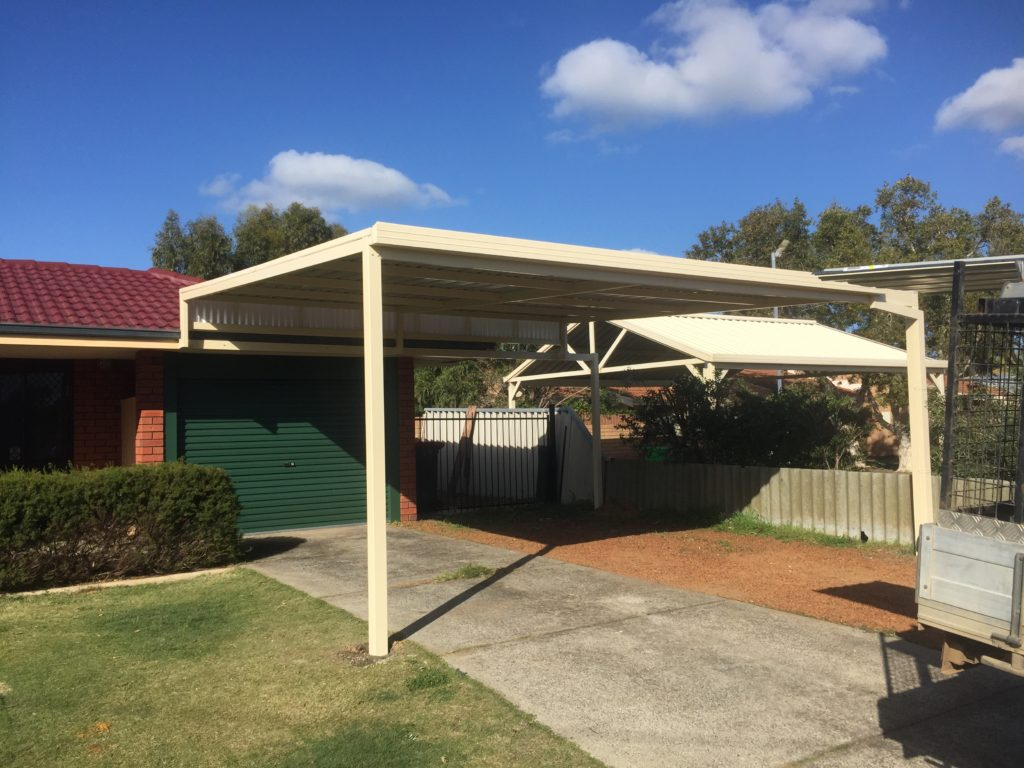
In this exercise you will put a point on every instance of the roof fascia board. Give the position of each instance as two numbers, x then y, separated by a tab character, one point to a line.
91	343
341	248
85	332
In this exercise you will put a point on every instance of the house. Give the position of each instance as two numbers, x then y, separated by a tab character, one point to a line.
92	375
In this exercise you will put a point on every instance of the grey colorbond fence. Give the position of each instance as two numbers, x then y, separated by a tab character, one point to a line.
830	501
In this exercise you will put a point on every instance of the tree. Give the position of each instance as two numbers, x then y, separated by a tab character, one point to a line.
264	233
258	236
467	382
1000	229
906	223
756	235
209	247
722	422
203	249
171	249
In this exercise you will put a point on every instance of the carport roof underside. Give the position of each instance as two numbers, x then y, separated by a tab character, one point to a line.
441	286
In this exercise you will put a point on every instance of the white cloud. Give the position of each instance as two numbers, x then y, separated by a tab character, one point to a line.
329	182
1013	145
727	58
564	136
219	186
995	102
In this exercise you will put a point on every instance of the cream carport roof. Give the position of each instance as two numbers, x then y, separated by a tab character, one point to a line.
411	291
725	341
444	286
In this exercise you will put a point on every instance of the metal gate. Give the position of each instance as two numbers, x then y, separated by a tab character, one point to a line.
469	458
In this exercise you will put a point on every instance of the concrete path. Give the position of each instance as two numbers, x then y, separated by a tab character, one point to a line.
643	675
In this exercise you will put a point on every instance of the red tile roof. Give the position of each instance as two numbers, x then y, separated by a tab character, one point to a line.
51	293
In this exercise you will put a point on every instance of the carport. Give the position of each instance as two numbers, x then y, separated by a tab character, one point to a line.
393	290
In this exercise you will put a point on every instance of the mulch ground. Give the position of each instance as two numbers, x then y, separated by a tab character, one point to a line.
867	587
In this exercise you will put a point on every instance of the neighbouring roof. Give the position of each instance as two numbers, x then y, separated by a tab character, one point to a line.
56	294
749	342
726	341
981	273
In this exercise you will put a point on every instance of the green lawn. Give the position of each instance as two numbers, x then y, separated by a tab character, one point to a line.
238	670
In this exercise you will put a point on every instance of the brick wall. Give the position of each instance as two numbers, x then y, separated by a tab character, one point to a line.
98	386
149	404
406	439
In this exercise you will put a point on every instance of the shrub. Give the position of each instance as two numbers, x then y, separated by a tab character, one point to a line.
722	422
90	524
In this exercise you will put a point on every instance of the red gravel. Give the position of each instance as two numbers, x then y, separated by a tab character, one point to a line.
867	587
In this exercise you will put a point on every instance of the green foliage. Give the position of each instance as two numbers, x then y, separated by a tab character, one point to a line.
578	400
721	422
749	524
461	384
262	234
203	249
83	525
906	223
752	240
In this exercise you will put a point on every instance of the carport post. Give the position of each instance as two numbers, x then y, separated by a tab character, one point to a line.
917	400
595	421
904	304
376	491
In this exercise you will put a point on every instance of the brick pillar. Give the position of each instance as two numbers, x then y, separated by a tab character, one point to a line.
97	387
406	439
149	405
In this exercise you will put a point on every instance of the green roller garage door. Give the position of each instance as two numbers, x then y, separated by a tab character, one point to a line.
293	448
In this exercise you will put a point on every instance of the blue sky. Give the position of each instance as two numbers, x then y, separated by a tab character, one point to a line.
618	124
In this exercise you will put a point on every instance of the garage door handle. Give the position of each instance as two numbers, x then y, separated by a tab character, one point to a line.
289	464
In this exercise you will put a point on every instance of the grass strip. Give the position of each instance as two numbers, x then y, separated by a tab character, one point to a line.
746	523
235	669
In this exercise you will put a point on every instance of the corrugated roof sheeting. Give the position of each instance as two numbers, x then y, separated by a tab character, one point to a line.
241	317
727	341
981	273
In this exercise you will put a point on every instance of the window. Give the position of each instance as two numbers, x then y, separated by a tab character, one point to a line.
35	414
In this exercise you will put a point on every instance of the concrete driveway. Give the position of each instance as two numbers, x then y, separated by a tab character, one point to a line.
643	675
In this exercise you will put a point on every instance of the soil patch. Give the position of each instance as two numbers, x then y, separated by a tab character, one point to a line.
867	587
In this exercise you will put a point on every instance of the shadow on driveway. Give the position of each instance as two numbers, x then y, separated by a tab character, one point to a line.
254	549
942	720
459	599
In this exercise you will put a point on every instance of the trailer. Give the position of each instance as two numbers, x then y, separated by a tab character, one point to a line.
970	582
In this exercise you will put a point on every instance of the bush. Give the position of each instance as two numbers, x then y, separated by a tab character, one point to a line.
722	422
91	524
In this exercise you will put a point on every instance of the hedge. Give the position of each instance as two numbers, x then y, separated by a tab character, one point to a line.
60	528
